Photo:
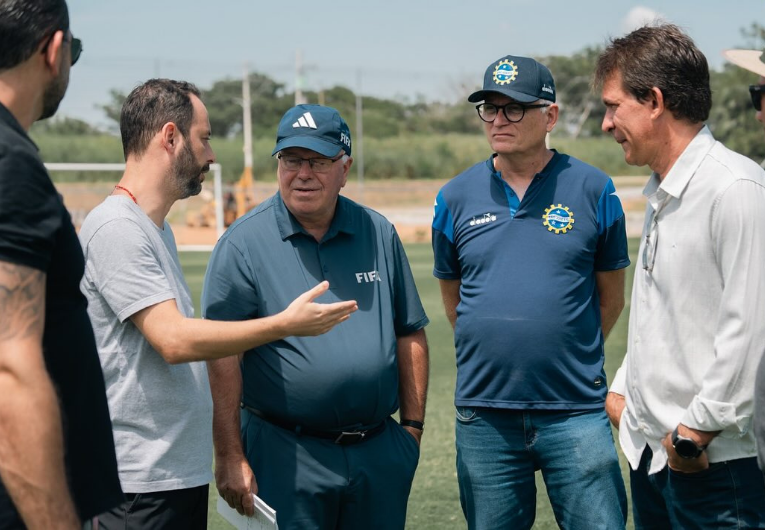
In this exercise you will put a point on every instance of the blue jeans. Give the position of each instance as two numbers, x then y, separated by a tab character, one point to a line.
499	451
727	495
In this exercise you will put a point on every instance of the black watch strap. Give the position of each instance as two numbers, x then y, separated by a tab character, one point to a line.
686	447
413	423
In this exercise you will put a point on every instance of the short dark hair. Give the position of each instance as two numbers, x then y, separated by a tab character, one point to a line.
149	107
660	56
25	24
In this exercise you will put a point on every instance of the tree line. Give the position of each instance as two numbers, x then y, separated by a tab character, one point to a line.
731	120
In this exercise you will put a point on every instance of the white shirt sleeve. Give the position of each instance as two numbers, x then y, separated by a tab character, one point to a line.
725	401
619	382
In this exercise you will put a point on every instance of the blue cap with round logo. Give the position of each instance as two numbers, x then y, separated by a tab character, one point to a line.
314	127
520	78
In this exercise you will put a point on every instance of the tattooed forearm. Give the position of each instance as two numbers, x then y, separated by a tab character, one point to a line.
22	301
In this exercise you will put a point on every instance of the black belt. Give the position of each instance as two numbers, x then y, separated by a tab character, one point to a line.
338	437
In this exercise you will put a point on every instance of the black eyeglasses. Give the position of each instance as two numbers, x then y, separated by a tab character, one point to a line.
76	46
756	92
514	112
318	164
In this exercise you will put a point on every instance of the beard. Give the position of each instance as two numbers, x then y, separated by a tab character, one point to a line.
187	173
53	95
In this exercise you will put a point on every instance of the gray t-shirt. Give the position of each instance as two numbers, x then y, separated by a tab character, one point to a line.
161	413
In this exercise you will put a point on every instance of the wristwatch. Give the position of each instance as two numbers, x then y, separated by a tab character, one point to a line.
685	447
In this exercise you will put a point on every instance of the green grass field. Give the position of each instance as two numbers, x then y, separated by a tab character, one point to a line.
434	502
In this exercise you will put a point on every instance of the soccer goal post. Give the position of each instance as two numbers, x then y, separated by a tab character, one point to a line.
214	168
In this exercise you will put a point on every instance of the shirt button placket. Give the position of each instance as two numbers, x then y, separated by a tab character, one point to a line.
323	265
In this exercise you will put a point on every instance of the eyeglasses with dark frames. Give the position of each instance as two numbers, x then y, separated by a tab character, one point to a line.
317	164
75	43
514	112
756	91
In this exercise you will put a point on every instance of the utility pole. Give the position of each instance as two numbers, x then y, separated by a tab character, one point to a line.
358	146
245	196
247	119
299	79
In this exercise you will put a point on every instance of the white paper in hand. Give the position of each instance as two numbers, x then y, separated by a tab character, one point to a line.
264	518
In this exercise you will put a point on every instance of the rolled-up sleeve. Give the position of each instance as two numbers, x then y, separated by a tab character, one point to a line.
619	383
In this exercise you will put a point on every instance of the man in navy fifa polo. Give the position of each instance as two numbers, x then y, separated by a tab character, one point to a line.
530	250
316	430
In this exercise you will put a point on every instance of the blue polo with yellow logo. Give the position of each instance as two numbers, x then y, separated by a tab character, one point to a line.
348	376
528	330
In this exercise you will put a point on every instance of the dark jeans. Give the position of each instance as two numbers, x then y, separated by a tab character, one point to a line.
159	510
727	495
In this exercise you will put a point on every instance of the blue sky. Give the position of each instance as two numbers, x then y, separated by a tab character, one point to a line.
397	48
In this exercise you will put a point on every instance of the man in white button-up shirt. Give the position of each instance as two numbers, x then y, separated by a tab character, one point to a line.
683	397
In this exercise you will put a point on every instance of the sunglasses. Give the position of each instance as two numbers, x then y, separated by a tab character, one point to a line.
76	49
756	92
76	46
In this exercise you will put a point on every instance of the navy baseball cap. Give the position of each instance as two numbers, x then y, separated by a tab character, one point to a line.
520	78
314	127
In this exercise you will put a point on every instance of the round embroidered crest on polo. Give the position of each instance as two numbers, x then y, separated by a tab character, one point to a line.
558	219
505	72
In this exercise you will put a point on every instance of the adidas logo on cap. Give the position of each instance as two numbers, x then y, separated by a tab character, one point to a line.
306	120
314	127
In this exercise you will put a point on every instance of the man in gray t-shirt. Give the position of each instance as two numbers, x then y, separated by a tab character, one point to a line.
133	264
149	344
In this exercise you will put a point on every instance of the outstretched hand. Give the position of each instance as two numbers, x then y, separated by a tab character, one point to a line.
306	317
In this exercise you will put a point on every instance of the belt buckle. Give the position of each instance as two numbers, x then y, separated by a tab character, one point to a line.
347	438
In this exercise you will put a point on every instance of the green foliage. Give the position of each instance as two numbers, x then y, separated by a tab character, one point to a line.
224	105
732	118
418	139
113	108
602	152
581	110
403	156
102	148
423	156
64	126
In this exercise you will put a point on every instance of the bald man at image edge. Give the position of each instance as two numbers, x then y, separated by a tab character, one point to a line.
752	60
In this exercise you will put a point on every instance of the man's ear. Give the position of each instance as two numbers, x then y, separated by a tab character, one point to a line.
346	170
170	136
552	116
52	51
656	99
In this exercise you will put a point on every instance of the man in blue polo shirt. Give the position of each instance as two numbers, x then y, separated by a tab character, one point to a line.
530	250
315	413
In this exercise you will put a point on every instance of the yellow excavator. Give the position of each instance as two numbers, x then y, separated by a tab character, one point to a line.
242	199
236	203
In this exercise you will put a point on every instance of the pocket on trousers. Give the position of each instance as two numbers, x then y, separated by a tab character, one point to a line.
408	436
704	474
466	414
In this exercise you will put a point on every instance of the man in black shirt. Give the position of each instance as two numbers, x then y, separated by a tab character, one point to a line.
57	463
